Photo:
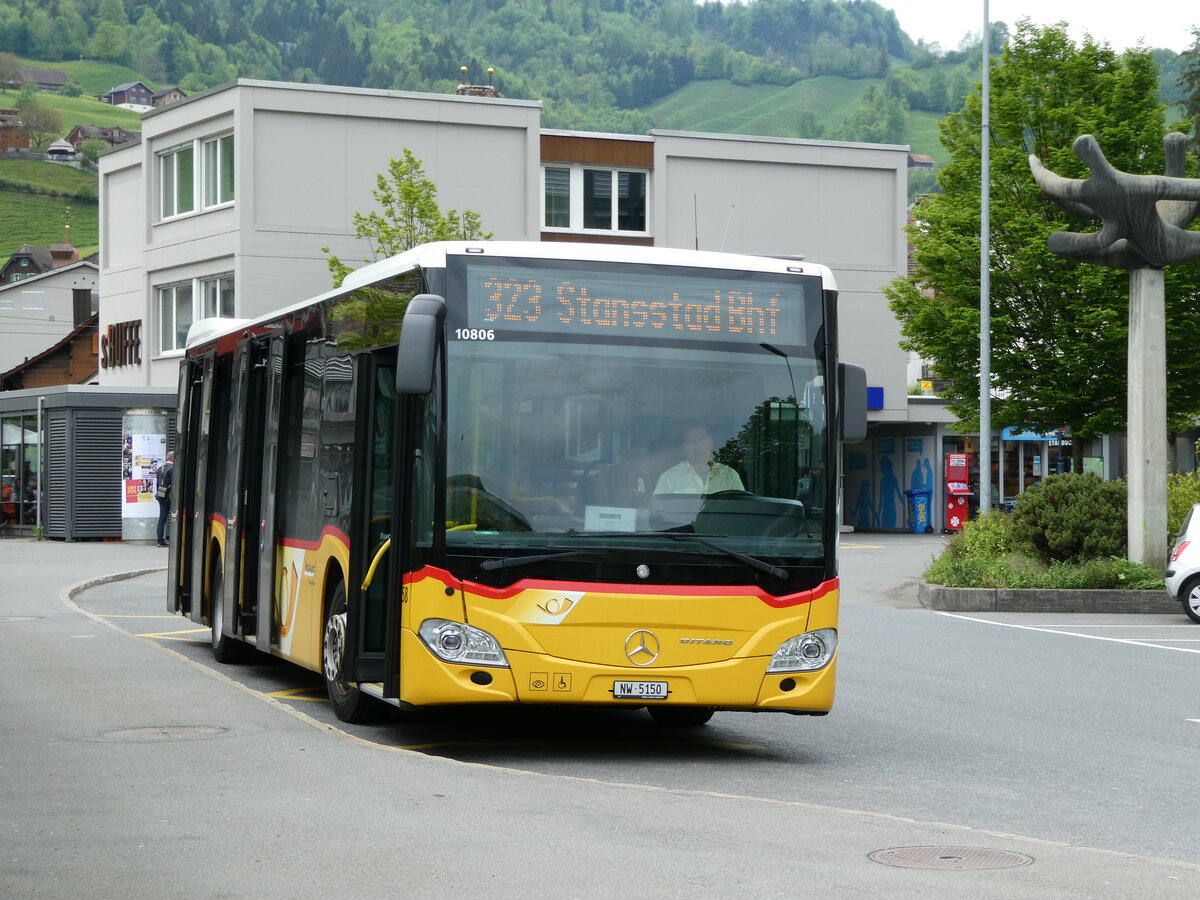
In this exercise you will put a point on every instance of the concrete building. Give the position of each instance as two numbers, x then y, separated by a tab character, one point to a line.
224	206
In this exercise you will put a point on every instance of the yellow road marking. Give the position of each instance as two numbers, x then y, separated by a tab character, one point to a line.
295	694
171	635
846	546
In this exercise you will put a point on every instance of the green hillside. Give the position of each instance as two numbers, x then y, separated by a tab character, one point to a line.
39	219
82	110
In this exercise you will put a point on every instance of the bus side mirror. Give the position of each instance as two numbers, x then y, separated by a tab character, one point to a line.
416	351
852	383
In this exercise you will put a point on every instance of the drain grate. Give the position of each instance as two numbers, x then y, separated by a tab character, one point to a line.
950	858
159	733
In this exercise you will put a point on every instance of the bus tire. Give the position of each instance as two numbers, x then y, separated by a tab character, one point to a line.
226	648
680	716
348	702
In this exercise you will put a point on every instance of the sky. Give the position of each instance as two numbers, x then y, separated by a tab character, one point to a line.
1162	23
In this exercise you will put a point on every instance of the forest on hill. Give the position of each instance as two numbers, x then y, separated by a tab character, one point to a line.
596	64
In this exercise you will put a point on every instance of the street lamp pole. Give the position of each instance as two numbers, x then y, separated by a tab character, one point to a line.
985	278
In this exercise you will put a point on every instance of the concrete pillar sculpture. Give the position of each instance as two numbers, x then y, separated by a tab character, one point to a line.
1143	229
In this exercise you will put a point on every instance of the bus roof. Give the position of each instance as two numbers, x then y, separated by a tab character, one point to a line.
434	255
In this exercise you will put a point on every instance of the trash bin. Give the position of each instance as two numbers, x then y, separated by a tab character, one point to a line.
918	510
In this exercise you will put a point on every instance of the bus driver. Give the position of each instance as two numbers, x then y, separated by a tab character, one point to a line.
698	473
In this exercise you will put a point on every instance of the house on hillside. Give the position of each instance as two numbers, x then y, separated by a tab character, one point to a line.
167	95
921	162
52	80
41	310
73	360
12	135
131	93
31	260
110	134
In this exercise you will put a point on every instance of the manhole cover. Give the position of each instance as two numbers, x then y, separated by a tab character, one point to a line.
158	733
950	858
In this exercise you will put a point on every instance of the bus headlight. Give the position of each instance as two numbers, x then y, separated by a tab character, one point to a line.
458	643
806	652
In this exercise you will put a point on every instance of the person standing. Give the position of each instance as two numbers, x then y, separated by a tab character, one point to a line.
165	476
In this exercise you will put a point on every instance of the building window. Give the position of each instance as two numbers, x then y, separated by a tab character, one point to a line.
197	175
558	197
576	198
186	302
178	182
218	296
218	171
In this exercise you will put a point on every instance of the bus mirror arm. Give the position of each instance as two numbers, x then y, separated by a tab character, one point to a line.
852	382
417	349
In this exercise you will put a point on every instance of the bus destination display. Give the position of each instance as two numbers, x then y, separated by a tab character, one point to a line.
633	302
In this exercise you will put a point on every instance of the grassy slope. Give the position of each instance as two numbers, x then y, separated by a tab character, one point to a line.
93	76
39	219
723	107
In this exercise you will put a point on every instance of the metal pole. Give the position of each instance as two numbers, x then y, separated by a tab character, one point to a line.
985	279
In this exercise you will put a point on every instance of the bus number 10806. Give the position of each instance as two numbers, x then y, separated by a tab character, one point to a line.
475	334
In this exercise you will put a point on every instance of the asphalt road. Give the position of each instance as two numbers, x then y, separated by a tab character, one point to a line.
132	765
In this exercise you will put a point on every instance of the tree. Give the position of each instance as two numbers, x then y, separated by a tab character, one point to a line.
1189	81
42	124
410	216
10	67
1058	327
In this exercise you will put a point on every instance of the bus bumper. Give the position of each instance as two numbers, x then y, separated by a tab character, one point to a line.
738	683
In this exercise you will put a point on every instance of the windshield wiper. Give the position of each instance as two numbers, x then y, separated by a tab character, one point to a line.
753	562
512	562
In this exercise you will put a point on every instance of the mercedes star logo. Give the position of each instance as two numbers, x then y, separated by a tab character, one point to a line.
641	647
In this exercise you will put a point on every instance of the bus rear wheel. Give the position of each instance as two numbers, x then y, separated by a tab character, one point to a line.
680	716
348	702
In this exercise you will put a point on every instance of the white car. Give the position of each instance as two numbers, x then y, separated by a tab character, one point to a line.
1183	568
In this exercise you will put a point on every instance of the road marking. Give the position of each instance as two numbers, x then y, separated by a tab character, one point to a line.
846	546
296	694
112	616
171	635
1090	637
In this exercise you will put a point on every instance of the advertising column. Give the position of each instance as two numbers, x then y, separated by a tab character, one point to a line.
143	451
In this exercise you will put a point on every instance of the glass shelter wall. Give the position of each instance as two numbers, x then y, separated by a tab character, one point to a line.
18	470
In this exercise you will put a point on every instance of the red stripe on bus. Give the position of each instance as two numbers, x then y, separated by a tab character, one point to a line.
328	531
595	588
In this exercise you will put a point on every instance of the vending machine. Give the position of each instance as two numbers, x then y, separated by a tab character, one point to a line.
958	490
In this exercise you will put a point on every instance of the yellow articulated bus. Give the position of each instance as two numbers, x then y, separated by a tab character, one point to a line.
532	473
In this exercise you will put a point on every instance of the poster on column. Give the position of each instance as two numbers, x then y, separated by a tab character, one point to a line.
140	458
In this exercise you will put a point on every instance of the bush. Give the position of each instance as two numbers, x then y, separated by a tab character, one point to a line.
1072	518
1183	490
977	556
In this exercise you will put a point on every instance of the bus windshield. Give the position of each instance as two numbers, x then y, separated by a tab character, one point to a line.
565	440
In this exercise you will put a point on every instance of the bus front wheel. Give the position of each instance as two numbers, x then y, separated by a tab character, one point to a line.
348	702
